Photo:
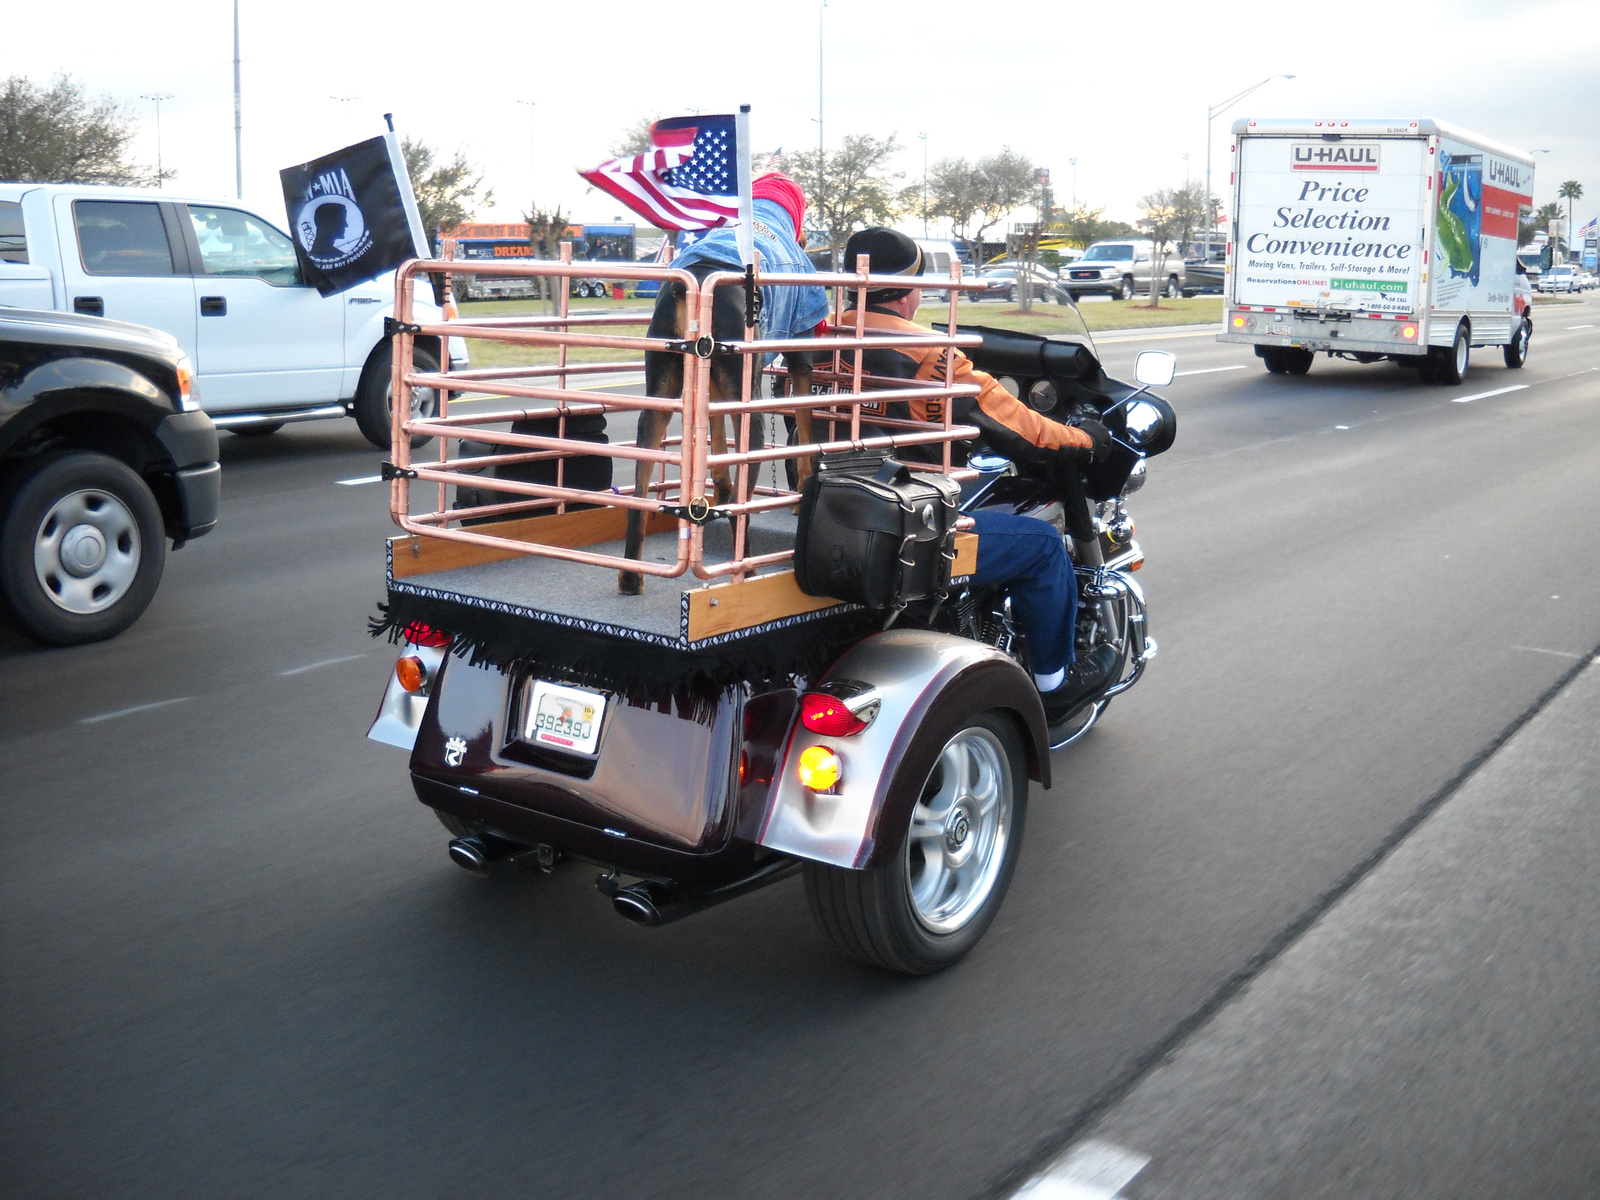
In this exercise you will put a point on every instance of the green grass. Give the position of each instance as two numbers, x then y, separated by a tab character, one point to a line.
1046	318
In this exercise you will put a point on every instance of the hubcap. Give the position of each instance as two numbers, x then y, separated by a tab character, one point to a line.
86	552
959	831
1462	350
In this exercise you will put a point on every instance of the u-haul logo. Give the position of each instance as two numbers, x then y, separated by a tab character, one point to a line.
1333	156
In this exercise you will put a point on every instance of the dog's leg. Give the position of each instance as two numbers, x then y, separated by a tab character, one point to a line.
663	375
800	385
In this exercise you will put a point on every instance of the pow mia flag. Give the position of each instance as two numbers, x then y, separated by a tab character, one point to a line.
352	214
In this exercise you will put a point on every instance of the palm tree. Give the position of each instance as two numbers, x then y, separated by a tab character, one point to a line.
1569	191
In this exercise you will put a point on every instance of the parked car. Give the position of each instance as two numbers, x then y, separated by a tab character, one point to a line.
104	454
1560	279
224	281
1006	282
1122	269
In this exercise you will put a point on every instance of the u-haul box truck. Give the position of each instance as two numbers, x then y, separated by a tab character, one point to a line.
1374	240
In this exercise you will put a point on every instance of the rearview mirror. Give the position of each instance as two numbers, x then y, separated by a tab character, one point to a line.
1155	368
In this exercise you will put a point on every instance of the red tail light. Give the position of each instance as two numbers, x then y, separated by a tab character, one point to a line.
828	716
419	634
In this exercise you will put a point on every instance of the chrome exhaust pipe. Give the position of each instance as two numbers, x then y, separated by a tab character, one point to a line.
637	905
479	854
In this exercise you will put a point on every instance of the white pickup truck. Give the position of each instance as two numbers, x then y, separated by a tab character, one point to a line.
223	280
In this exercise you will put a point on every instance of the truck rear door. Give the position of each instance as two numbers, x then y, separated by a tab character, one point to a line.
266	339
1331	222
125	259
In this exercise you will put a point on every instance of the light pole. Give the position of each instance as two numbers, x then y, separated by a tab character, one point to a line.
1212	113
238	127
1074	163
158	97
822	8
924	136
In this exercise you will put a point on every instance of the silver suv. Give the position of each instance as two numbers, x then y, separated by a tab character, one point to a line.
1122	268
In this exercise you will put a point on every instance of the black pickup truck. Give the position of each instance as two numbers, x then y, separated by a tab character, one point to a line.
104	455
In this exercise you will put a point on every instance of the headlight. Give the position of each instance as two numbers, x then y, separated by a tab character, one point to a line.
188	399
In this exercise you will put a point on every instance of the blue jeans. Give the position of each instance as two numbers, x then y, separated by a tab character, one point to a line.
1027	556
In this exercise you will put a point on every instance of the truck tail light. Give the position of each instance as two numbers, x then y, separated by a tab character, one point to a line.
1409	333
419	634
1238	322
819	768
412	673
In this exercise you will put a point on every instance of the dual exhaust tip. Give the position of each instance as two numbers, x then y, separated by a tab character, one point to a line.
478	855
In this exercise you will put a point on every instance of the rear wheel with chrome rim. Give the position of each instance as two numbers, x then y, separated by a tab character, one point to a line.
931	902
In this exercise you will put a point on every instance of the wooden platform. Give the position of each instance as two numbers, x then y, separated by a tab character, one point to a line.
682	612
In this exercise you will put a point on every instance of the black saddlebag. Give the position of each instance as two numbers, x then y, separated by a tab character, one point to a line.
875	533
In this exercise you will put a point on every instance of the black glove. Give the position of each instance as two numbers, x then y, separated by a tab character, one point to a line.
1100	438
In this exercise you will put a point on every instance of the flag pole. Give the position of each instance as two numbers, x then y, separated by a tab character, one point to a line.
746	232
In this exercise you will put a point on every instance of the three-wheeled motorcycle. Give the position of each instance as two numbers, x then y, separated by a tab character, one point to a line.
698	742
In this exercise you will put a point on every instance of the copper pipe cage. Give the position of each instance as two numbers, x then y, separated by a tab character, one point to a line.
840	391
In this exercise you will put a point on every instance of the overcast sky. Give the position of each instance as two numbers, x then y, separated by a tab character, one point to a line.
1123	88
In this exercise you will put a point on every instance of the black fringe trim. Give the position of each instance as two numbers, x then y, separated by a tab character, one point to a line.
641	673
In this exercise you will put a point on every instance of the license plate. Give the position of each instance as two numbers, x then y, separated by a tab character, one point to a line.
1277	329
567	718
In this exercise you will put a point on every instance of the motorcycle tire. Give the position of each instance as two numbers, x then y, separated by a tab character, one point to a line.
929	905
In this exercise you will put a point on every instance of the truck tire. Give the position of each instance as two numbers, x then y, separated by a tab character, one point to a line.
1516	350
372	410
1275	361
1125	292
1450	366
1298	362
931	903
1173	288
82	548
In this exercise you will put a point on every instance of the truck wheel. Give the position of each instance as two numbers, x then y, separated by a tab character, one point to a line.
1173	290
1126	291
81	549
1298	362
1450	366
372	411
1516	350
1274	359
926	908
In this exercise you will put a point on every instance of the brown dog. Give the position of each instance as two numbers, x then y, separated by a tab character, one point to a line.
663	376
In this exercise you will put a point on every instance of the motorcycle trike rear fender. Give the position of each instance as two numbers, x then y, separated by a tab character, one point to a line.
924	680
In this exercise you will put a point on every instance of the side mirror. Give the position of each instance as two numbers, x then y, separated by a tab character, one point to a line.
1155	368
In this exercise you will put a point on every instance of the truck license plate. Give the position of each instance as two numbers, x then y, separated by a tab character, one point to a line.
1276	328
567	718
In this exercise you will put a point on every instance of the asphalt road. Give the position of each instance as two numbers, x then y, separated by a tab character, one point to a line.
234	959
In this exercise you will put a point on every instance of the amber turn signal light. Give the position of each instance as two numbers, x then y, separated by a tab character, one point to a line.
412	673
819	768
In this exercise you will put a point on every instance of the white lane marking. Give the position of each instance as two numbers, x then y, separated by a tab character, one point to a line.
327	662
1542	650
360	481
1090	1171
1211	370
1589	326
1156	337
1341	427
125	712
1515	387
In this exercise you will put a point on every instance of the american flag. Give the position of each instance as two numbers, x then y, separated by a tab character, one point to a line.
688	180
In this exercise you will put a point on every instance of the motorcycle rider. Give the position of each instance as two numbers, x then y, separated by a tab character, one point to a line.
1024	554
